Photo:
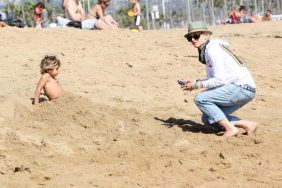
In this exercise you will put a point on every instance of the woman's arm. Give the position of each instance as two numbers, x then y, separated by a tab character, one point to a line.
99	11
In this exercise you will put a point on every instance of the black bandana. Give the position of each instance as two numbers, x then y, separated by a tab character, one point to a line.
202	53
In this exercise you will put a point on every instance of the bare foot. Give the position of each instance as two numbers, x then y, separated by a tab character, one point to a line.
231	132
249	126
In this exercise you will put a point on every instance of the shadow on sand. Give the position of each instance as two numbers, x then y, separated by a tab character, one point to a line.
189	125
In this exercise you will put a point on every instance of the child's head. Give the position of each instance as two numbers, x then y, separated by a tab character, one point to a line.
49	62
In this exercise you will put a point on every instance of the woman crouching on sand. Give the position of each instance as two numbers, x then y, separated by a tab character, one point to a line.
229	85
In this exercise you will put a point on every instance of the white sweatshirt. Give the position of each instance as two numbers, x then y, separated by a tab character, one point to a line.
223	68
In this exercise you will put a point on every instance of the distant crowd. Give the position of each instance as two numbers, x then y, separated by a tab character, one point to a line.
75	16
240	15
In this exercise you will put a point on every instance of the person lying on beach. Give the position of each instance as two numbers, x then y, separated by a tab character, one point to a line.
98	12
49	69
266	17
229	84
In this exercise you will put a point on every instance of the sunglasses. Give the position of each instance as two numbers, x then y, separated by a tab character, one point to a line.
195	36
107	4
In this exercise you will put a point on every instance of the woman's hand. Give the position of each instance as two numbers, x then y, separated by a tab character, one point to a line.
188	85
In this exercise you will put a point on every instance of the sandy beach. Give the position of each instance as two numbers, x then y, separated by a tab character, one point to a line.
124	121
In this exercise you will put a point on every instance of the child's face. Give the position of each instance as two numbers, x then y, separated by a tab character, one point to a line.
54	72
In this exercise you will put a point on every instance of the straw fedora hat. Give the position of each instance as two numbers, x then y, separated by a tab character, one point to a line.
198	26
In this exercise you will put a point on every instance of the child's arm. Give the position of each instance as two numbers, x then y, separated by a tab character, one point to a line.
137	10
43	80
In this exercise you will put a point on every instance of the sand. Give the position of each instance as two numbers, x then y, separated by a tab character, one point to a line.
124	121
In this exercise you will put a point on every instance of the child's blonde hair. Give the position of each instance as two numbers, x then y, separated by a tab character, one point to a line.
49	62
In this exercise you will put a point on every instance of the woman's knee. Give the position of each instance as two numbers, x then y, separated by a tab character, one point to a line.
199	98
108	17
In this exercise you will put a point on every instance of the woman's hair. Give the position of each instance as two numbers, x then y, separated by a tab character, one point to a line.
103	1
38	5
49	62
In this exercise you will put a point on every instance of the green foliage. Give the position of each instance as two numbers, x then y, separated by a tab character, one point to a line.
17	11
29	13
218	3
123	19
12	8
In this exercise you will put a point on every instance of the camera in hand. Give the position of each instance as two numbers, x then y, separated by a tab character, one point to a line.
181	82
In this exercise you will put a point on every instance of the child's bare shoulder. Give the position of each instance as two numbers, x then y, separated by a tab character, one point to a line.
45	77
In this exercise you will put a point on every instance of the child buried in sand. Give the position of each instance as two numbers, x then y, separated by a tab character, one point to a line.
49	69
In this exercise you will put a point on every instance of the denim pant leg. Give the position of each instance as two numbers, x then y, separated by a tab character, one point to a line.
218	103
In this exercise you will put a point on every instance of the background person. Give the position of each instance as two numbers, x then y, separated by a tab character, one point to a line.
137	14
98	12
266	17
244	18
3	24
234	15
2	18
229	85
44	18
75	16
74	10
38	8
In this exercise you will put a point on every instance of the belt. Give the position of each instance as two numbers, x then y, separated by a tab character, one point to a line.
247	87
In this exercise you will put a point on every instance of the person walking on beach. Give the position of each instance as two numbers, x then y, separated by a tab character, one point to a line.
229	85
49	69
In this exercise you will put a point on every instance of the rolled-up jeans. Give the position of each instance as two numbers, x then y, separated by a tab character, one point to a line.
219	103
